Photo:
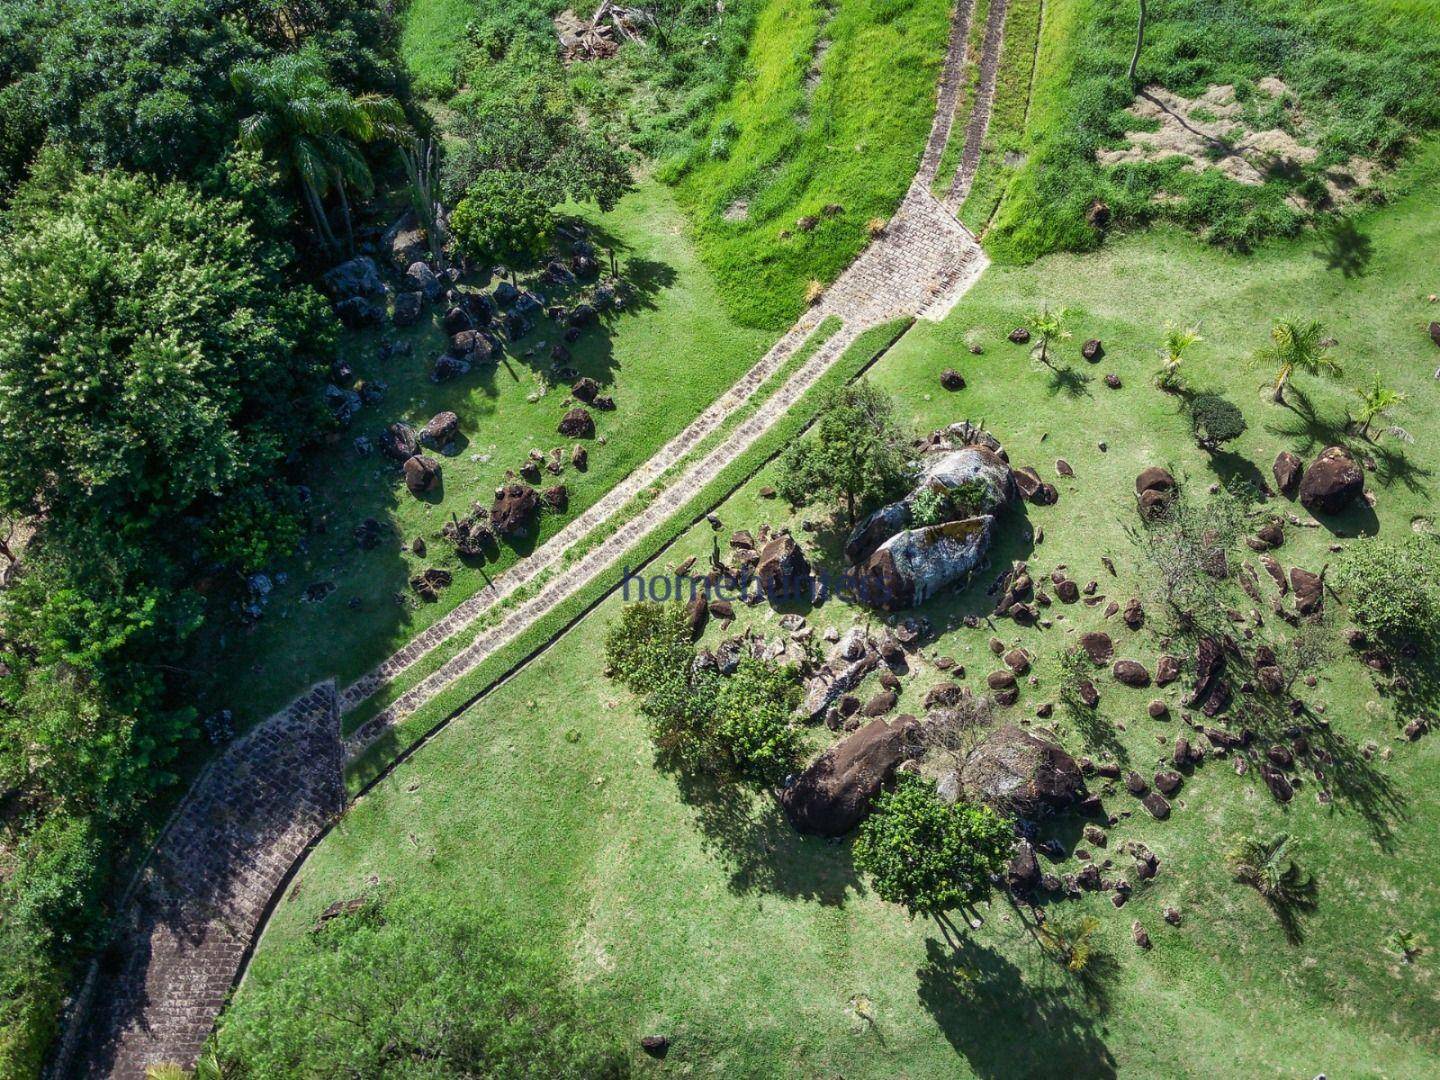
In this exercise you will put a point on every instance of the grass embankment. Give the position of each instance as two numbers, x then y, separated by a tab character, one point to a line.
665	358
759	952
832	110
1360	82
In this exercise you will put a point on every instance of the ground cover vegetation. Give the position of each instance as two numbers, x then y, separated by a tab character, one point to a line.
1351	91
1262	883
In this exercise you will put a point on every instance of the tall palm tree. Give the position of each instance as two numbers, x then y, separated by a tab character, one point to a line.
314	129
1377	402
1268	866
1295	347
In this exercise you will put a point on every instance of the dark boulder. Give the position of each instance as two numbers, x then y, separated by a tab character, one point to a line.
1167	781
585	389
356	313
1157	804
1020	335
1309	590
835	791
783	572
1022	771
1098	645
422	474
357	277
577	424
881	703
409	307
951	379
1288	470
1332	482
514	508
429	582
1167	670
1093	350
1022	875
441	430
1131	673
456	320
399	441
420	278
1209	666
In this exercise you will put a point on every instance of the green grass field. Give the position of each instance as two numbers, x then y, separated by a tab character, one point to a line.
761	954
665	358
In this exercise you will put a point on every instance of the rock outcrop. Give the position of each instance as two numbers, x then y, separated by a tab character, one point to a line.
832	795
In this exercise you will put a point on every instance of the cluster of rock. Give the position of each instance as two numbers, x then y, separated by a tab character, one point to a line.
899	560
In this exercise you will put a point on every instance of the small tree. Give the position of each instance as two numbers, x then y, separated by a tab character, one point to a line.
1177	342
1073	671
1293	347
1068	940
928	856
1188	545
1393	587
1049	325
753	732
1215	421
1377	402
856	457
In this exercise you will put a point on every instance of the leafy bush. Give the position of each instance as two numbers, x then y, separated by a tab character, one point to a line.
502	217
734	727
1393	586
1215	420
927	856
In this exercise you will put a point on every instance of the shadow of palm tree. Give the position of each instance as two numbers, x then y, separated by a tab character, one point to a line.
1306	428
1345	248
1070	381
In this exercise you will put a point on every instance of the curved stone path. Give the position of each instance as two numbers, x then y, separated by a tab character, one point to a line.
192	916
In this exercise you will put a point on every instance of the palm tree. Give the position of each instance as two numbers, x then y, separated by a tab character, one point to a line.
1296	347
1178	340
1377	402
314	129
1268	868
1050	325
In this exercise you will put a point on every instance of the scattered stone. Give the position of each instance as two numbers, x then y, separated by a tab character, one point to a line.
1093	350
1157	804
1167	670
1141	938
1020	335
1113	381
1063	468
1171	915
655	1045
1167	782
514	508
1309	589
1157	709
429	582
831	796
1097	646
1131	673
1135	784
1288	470
951	379
441	429
1022	875
579	457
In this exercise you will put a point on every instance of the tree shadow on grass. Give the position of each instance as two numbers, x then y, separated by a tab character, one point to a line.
1345	248
1006	1025
1069	381
749	835
1306	429
1393	465
1236	472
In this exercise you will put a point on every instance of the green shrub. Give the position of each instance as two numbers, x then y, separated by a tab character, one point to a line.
929	856
414	991
502	217
1393	586
1215	420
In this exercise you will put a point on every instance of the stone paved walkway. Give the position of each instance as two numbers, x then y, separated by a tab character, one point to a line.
194	913
191	916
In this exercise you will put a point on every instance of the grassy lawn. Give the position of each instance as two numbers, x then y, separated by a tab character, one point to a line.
761	954
664	358
787	144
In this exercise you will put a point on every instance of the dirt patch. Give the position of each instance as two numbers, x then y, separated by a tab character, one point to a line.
1212	132
739	210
